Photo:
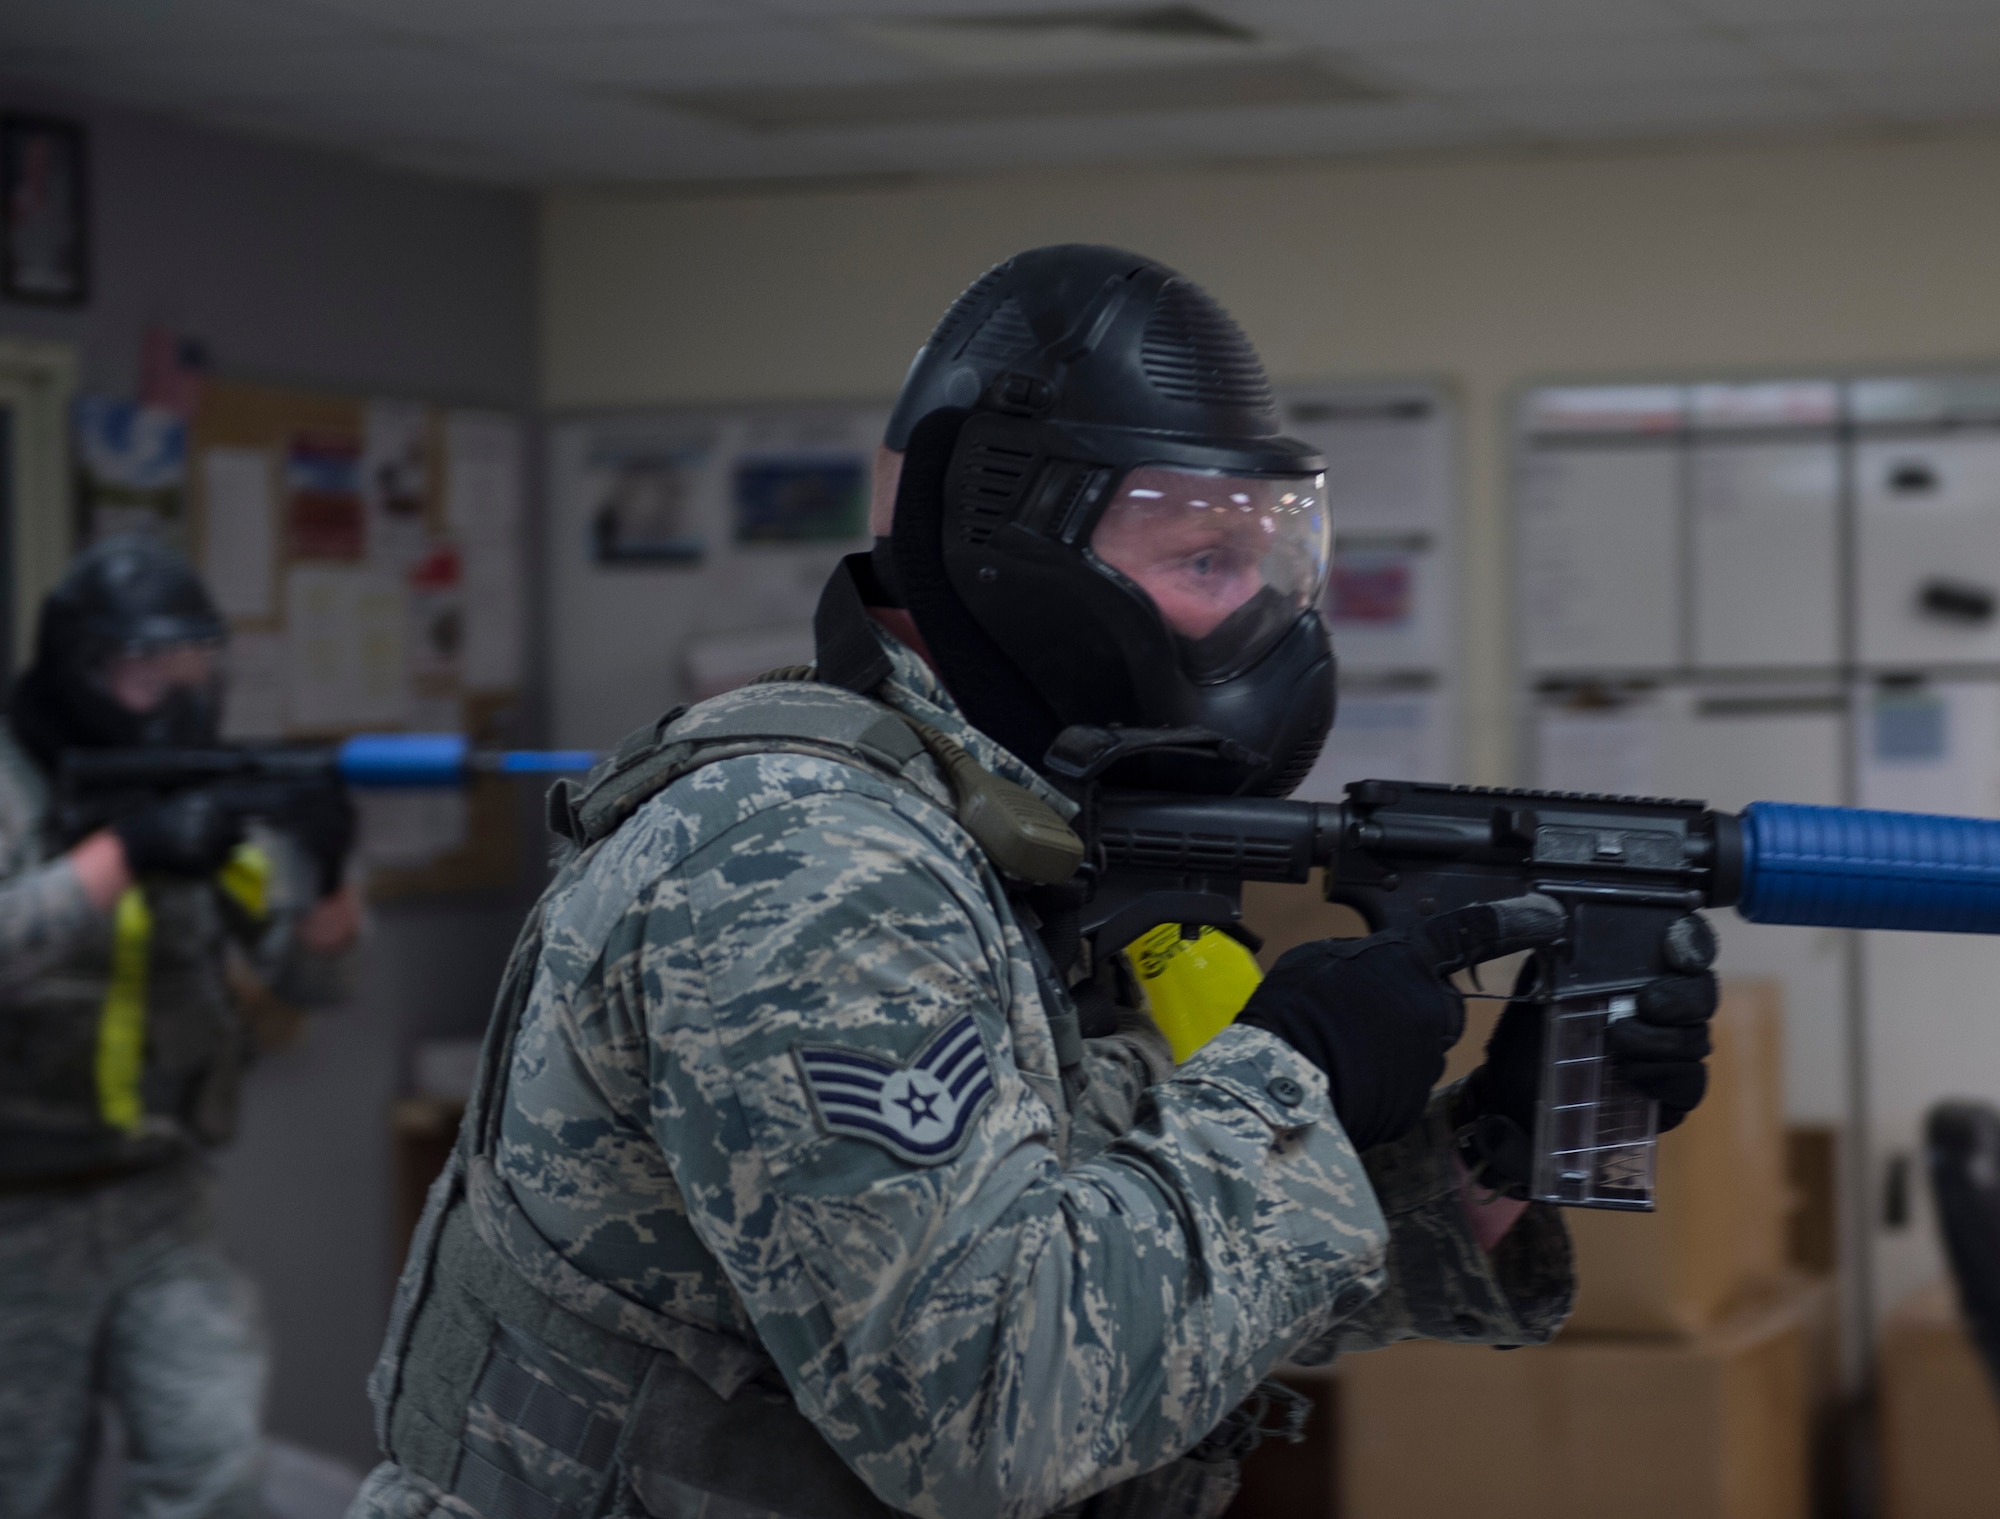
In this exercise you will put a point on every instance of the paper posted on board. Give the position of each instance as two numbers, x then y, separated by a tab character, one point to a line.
483	483
239	530
348	660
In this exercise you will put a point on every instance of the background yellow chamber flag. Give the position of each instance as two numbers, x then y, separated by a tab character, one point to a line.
1194	987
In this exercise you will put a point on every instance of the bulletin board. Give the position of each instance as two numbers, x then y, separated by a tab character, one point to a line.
688	549
367	555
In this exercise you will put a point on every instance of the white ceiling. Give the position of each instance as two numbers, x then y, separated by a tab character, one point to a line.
544	92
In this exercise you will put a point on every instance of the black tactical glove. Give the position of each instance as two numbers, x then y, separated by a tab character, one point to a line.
1658	1052
324	823
188	834
1376	1015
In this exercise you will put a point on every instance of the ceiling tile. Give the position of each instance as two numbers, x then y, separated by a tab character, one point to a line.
828	9
1291	131
1569	62
1752	13
1001	145
463	18
1916	99
1663	111
1948	45
346	68
1366	23
697	57
94	25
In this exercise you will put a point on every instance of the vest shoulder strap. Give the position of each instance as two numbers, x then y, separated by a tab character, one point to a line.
772	716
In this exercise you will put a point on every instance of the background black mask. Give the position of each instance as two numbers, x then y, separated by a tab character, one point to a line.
126	594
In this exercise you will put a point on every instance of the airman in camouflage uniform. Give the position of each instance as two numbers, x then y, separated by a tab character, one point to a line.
1002	1311
791	1187
123	1036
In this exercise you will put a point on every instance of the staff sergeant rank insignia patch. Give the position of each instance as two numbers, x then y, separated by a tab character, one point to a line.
918	1112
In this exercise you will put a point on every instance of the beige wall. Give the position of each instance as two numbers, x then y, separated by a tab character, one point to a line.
1487	271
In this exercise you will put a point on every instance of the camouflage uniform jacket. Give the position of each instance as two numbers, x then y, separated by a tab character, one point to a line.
785	1074
57	954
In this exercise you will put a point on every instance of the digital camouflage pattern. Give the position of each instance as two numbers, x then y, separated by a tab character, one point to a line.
1078	1293
121	1291
114	1286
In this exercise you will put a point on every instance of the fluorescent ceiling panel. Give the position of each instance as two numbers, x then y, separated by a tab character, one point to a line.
1094	92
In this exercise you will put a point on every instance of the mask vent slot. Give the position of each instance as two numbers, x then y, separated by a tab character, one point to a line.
1002	335
990	487
952	324
1194	351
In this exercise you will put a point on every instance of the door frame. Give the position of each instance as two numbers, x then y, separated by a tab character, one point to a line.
37	383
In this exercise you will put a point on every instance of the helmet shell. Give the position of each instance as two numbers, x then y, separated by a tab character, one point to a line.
126	594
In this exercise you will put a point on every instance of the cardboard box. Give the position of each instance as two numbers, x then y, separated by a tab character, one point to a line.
1287	1480
1302	1481
1715	1427
1940	1421
1719	1236
1812	1172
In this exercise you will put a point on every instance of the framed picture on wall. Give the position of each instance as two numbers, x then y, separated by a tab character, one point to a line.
44	218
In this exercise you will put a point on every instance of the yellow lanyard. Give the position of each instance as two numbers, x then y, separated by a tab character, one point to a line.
121	1026
121	1023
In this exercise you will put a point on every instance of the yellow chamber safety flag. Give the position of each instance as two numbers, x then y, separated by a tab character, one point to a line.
246	880
1194	987
121	1024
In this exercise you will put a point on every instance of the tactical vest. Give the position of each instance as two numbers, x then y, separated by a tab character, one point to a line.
514	1382
129	1050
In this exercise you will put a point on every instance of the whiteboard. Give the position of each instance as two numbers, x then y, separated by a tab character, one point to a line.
1933	1028
1392	594
1927	518
1385	730
1600	556
1730	745
1765	546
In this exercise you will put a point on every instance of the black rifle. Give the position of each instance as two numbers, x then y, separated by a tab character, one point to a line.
1624	869
270	783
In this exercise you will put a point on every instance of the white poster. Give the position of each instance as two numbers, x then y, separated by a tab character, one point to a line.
395	481
1929	746
1383	732
1613	750
253	704
1600	557
483	484
1391	590
348	648
405	829
239	530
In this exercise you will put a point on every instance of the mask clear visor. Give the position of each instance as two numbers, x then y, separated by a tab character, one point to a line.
146	677
1230	561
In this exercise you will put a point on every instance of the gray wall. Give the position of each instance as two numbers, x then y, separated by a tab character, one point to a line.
298	267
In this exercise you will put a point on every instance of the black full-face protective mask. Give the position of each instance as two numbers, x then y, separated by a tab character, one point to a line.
126	597
1113	533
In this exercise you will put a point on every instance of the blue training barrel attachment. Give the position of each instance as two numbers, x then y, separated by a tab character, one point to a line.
444	759
405	759
1843	867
